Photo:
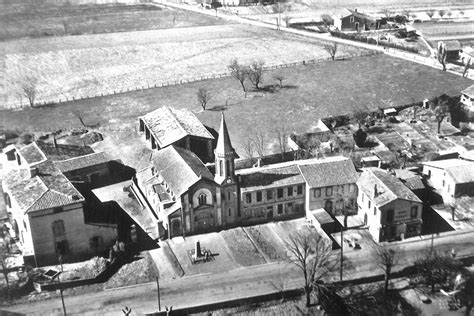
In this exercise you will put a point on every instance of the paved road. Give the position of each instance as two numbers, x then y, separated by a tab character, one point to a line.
238	283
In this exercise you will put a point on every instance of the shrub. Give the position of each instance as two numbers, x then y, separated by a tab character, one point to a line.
360	137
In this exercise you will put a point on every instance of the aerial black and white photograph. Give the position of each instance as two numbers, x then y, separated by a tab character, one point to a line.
237	157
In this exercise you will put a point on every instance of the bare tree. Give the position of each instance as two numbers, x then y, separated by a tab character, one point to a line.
449	13
386	258
65	24
430	13
442	54
29	89
259	144
360	117
249	148
311	253
440	112
280	78
441	13
467	66
282	135
255	72
327	19
239	72
331	49
203	97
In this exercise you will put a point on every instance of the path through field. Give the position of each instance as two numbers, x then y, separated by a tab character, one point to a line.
92	65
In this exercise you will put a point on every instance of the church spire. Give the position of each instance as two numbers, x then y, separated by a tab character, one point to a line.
224	147
224	154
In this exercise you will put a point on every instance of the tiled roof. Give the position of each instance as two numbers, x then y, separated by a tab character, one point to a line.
32	154
269	176
410	179
384	188
169	125
469	91
453	45
462	171
82	162
328	172
141	214
49	188
63	151
179	168
361	15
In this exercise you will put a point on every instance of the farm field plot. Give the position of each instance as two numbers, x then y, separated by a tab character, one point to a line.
309	93
433	30
26	19
168	55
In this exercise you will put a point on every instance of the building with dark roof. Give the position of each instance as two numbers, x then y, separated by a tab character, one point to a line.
352	20
46	210
388	207
170	126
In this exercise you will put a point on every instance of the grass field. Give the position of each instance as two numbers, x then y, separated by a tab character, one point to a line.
19	19
309	93
94	64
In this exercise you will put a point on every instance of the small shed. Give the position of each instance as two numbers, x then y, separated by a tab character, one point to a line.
453	48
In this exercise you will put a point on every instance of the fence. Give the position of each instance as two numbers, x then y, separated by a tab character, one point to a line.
151	85
373	41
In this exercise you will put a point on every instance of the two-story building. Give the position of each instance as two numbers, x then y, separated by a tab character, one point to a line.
451	178
47	211
388	207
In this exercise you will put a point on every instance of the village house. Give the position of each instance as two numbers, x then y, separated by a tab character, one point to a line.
47	210
467	99
389	209
170	126
352	20
451	178
452	48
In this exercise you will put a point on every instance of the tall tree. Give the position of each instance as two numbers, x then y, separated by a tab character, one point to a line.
386	259
4	254
203	97
442	54
311	253
440	112
434	268
29	89
430	13
255	72
239	72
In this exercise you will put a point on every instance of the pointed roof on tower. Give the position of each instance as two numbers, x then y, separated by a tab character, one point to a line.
224	145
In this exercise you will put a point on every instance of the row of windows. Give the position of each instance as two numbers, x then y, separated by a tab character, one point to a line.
329	191
270	194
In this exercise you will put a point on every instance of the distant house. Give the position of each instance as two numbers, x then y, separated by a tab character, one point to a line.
46	210
453	48
352	20
169	126
388	207
452	178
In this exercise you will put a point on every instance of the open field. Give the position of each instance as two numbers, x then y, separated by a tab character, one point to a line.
19	19
434	30
146	58
309	92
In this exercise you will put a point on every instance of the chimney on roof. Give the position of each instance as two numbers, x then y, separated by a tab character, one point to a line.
55	143
376	192
355	10
34	172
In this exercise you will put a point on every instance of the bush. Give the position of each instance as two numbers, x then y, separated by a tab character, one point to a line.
360	137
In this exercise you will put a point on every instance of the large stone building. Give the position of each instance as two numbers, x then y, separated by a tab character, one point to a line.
46	210
183	196
387	206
